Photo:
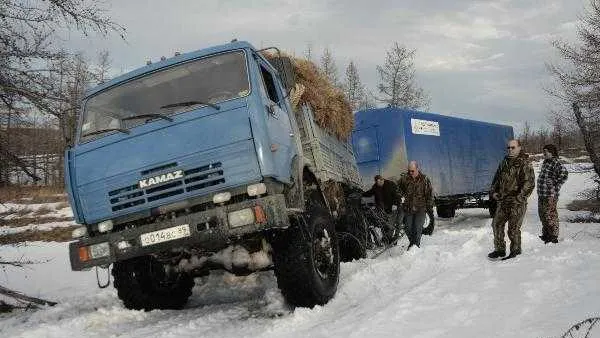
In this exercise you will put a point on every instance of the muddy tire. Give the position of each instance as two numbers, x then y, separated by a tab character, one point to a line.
446	211
142	284
307	261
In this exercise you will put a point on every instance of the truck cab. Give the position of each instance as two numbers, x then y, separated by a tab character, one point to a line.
191	163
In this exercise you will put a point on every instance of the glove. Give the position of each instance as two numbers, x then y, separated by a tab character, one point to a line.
394	207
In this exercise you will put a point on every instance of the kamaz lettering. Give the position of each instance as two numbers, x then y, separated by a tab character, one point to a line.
148	182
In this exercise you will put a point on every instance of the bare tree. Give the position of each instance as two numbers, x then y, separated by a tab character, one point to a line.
368	101
328	67
308	51
397	83
353	88
589	137
526	136
578	79
30	63
558	131
103	68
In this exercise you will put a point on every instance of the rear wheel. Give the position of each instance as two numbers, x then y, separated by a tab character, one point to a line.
352	236
142	283
307	261
446	211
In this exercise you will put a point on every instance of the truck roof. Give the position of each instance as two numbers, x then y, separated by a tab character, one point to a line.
166	63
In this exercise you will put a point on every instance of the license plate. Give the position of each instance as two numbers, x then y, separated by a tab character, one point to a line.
165	235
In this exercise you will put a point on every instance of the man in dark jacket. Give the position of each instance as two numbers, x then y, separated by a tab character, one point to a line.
552	176
385	193
386	199
418	198
513	183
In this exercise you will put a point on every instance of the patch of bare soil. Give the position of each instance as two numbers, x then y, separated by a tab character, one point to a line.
591	205
23	221
62	234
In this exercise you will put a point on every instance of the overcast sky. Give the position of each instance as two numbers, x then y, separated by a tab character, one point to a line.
483	60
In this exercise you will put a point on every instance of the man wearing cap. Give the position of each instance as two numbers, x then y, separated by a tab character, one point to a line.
552	176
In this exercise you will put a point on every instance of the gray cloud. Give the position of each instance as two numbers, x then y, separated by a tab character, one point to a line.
476	59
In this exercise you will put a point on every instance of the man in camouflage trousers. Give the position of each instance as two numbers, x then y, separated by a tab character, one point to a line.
513	183
418	198
552	176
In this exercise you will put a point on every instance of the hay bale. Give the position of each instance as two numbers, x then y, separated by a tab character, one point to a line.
328	102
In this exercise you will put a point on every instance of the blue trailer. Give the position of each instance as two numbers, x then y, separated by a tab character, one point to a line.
460	156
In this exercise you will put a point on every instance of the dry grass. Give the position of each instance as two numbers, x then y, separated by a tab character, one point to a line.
62	234
43	210
591	205
24	221
32	194
332	109
62	205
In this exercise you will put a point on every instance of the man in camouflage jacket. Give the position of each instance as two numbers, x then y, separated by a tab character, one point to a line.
418	198
552	176
513	183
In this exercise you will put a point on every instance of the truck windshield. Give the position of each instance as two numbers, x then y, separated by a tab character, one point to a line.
206	81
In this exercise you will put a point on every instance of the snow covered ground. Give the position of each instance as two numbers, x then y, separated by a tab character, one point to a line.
447	288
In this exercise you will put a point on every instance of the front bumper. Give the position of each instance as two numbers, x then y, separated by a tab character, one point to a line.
209	230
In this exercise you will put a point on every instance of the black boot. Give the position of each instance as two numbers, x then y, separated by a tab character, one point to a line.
496	254
553	239
512	255
544	238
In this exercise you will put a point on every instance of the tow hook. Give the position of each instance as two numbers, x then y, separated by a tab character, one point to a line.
107	283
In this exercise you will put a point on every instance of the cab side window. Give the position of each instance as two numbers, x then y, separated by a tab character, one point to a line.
269	84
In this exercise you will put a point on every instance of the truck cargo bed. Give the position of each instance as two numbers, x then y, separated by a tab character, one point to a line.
328	157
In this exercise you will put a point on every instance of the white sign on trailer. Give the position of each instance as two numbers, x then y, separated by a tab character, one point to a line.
425	127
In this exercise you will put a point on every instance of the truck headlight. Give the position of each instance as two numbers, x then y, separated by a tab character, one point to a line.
79	232
240	217
221	197
105	226
256	189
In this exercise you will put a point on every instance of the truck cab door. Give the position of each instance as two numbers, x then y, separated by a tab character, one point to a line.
281	133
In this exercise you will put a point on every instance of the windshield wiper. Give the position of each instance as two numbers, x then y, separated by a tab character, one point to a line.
102	131
189	103
150	115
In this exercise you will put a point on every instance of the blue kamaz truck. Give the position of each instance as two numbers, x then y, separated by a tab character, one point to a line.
200	162
460	156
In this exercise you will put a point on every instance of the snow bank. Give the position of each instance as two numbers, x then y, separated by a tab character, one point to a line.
447	288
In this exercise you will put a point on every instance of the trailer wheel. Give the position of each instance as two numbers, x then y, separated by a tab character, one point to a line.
307	261
142	283
446	211
429	222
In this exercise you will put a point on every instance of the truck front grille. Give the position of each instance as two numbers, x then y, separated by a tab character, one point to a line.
193	180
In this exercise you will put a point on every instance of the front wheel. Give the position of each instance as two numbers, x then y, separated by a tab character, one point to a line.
142	283
307	261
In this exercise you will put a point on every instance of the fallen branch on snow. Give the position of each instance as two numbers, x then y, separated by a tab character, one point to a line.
21	297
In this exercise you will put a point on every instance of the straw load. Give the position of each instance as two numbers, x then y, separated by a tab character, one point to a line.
331	108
